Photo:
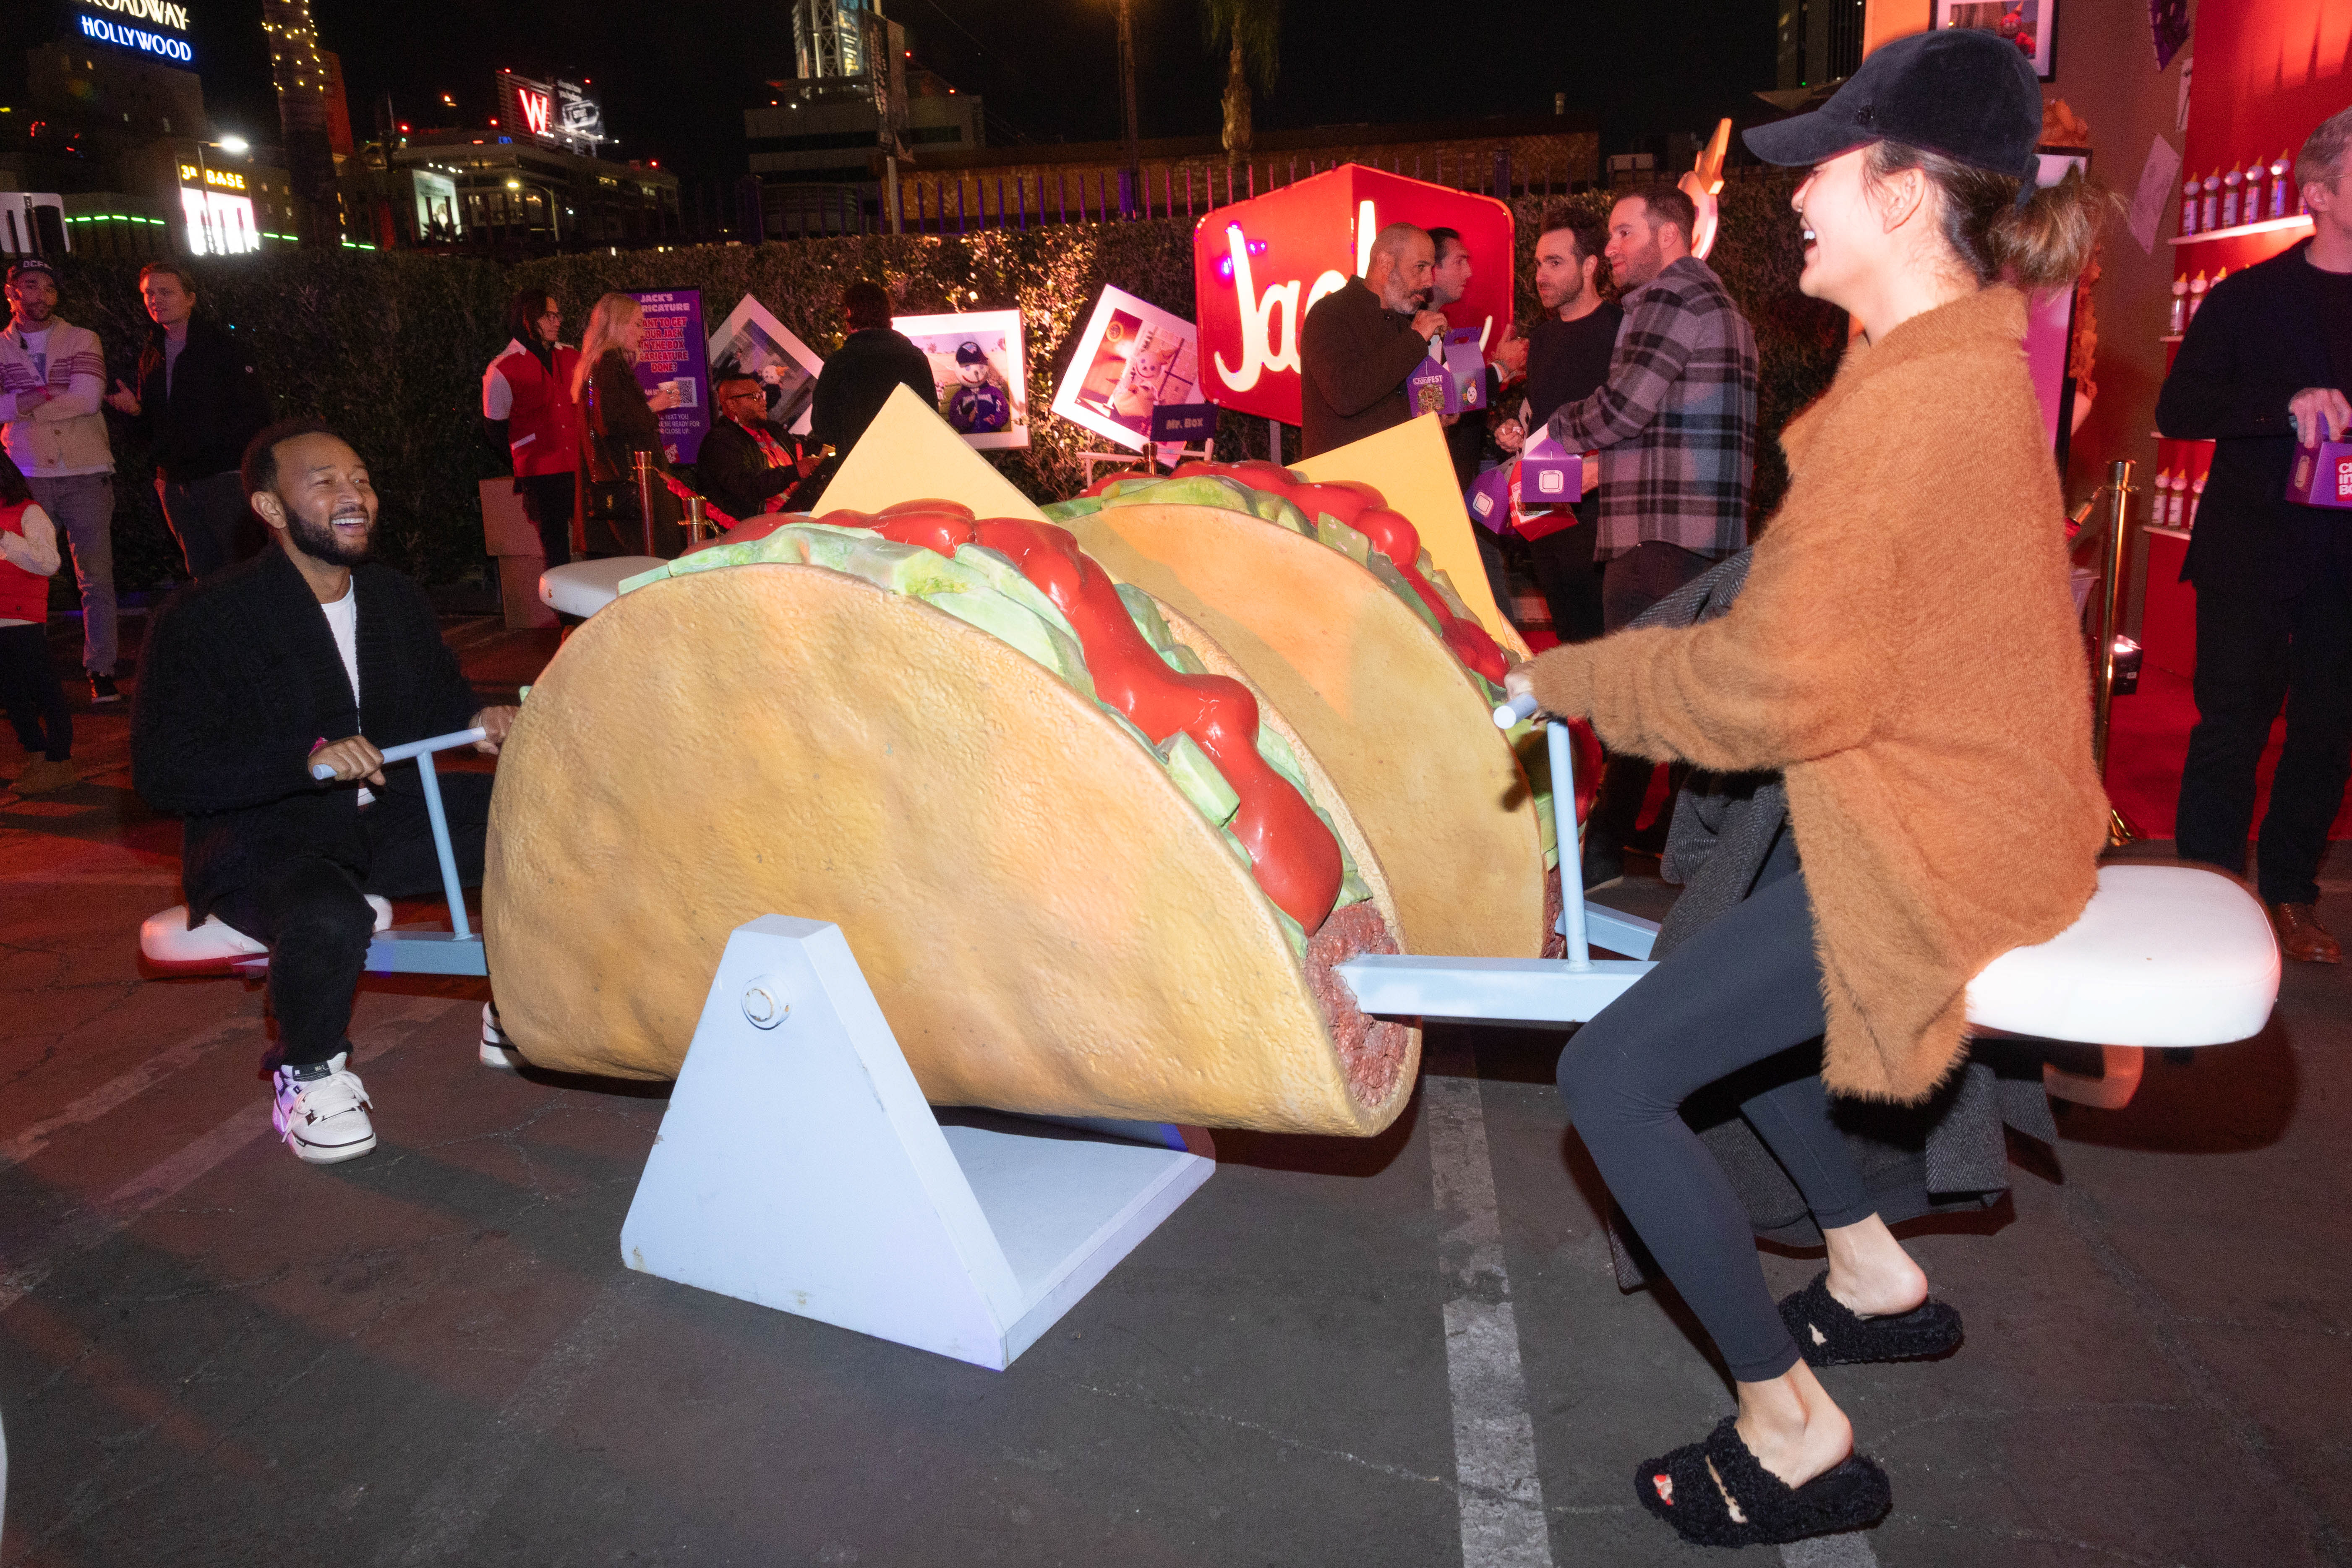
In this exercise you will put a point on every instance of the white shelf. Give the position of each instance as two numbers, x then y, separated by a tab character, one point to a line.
2268	226
2182	533
2170	338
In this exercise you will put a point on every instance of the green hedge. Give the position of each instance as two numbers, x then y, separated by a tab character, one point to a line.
390	347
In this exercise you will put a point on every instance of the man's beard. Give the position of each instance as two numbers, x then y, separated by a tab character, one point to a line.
318	541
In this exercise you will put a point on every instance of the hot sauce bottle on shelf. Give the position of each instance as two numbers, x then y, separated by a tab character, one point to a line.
2196	499
2256	183
2188	206
2231	181
2196	293
2178	322
2281	189
2209	208
2157	495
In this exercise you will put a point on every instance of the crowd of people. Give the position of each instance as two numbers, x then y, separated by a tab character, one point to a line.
1937	801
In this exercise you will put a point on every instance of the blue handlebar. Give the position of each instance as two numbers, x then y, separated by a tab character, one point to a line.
404	752
1516	710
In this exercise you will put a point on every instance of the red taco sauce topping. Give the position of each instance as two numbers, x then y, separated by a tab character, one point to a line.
1293	855
1366	511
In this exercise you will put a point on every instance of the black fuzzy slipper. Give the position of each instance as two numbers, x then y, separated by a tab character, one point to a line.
1676	1487
1828	1334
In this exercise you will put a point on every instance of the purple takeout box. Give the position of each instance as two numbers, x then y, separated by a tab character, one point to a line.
2322	475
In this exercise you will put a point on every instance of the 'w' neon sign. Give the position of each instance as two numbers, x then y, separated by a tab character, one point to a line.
535	111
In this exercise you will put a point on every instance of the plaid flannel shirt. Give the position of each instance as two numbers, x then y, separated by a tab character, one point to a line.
1676	425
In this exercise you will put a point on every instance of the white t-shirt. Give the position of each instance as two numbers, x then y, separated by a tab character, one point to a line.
36	345
343	620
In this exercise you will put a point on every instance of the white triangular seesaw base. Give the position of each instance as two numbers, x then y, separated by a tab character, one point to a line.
799	1167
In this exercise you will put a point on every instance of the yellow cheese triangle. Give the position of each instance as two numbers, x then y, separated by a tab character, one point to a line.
910	454
1410	465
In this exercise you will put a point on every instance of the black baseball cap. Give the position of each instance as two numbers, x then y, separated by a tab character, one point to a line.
1968	94
32	264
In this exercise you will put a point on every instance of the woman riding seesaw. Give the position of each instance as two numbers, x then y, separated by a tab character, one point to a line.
1905	652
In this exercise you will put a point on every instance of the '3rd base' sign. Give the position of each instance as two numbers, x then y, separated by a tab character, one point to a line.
1258	266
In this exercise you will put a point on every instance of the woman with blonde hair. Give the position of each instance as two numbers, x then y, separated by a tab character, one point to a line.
617	421
1905	653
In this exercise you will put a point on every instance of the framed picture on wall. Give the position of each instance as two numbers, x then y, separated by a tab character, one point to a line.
2031	24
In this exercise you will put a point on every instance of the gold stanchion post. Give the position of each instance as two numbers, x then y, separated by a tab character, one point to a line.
2118	493
643	464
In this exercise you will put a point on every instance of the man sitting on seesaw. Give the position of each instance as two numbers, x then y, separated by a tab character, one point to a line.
309	654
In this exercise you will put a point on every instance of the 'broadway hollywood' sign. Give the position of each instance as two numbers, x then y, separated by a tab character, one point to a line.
1258	267
127	33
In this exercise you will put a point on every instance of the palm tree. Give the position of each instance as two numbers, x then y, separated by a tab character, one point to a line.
1250	31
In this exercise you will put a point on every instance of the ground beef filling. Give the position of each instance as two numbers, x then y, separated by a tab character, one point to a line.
1555	941
1371	1050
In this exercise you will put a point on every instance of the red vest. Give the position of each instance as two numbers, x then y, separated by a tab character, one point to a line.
23	595
544	428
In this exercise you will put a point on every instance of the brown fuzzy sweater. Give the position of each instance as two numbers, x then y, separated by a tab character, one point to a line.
1906	654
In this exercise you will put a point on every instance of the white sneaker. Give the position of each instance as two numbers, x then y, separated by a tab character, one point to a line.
323	1119
498	1049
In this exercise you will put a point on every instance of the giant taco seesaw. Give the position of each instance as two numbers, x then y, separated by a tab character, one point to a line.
1084	866
1331	602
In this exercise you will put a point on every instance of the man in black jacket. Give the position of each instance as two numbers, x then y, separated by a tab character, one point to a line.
199	401
2269	357
857	380
1360	342
748	463
246	676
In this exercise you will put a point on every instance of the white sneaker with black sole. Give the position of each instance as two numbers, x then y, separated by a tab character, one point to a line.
321	1112
497	1050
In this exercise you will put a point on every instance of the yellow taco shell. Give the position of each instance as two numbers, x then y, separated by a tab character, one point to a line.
1048	925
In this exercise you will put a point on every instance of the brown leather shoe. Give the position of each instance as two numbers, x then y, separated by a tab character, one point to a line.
2301	936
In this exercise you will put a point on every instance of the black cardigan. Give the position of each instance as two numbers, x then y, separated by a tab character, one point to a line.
2256	342
240	678
217	403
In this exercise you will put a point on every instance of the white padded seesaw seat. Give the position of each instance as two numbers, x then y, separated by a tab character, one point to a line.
583	587
165	940
2164	956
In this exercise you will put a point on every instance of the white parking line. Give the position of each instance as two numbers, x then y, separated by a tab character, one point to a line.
94	1224
444	1520
129	1086
1500	1494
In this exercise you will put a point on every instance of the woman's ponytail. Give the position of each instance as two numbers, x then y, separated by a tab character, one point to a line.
2001	230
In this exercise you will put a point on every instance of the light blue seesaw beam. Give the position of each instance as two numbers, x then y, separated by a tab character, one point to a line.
458	951
1534	992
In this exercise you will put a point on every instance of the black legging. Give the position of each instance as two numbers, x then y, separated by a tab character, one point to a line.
1745	989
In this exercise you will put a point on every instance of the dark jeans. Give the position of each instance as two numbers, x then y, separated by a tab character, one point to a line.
29	692
1631	584
210	519
2256	654
83	506
1745	993
548	499
1570	582
310	910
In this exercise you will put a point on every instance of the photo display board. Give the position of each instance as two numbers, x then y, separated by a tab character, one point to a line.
979	374
756	343
1132	358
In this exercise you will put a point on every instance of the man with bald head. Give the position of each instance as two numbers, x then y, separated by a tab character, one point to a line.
309	654
1361	341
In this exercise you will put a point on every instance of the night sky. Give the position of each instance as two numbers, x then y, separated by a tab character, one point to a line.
676	77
